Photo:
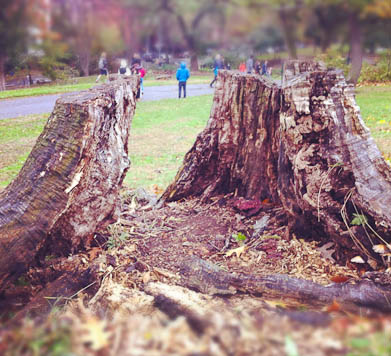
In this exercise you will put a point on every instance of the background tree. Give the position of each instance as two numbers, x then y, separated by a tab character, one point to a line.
13	33
287	13
191	18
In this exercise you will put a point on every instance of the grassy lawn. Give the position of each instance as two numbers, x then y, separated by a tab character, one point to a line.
89	82
375	104
163	131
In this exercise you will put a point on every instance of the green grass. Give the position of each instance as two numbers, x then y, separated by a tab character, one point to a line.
163	131
375	104
89	82
17	137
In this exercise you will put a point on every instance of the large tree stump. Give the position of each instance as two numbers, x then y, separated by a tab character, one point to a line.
69	185
304	146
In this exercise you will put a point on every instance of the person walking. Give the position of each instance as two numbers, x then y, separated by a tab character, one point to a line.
264	68
123	67
182	75
250	64
103	70
257	67
135	63
142	72
217	65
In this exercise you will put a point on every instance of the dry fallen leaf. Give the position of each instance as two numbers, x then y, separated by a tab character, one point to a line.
339	279
276	303
372	263
94	334
237	251
93	253
157	190
333	307
381	248
357	259
146	277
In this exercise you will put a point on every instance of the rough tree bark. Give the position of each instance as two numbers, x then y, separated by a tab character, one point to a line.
69	185
302	145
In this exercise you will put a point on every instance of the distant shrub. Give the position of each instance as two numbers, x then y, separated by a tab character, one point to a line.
333	58
65	73
380	72
370	73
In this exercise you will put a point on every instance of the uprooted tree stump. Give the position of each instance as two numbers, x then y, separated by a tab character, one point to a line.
302	145
69	186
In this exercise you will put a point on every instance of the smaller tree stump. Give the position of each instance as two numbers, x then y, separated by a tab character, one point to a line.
69	185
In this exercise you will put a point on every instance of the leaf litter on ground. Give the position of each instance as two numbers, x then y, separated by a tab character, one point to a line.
141	271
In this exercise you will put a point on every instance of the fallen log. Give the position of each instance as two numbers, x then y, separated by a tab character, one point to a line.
58	293
69	185
207	278
302	145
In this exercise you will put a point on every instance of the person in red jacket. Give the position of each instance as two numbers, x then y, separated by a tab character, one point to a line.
142	72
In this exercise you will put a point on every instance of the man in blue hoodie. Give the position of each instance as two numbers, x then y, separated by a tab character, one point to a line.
182	75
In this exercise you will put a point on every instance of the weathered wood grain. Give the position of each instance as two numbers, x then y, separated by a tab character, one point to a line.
303	145
69	185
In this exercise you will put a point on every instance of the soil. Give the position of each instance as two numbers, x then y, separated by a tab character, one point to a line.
139	286
164	237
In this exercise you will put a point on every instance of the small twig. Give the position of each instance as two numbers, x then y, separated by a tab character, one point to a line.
58	299
356	241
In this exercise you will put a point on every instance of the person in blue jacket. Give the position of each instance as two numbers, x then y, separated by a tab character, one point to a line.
182	75
218	64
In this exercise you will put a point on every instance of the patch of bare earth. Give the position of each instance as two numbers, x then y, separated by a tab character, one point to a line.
162	238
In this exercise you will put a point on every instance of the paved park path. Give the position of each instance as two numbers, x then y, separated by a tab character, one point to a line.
11	108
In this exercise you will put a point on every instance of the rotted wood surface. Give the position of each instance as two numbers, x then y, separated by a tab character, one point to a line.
208	278
69	185
294	67
303	145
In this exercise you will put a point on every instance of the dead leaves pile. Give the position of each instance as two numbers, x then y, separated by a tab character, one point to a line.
299	258
234	327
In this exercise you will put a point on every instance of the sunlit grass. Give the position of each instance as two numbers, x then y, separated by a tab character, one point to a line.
163	131
375	104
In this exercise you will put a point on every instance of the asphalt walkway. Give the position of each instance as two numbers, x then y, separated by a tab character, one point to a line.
11	108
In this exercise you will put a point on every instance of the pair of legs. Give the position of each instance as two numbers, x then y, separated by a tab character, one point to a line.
182	85
102	72
142	85
213	81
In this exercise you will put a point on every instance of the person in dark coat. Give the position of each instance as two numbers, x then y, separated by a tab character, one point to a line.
250	64
103	66
264	68
135	63
257	67
182	75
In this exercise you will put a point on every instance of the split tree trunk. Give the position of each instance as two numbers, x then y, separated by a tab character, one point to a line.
302	145
69	185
